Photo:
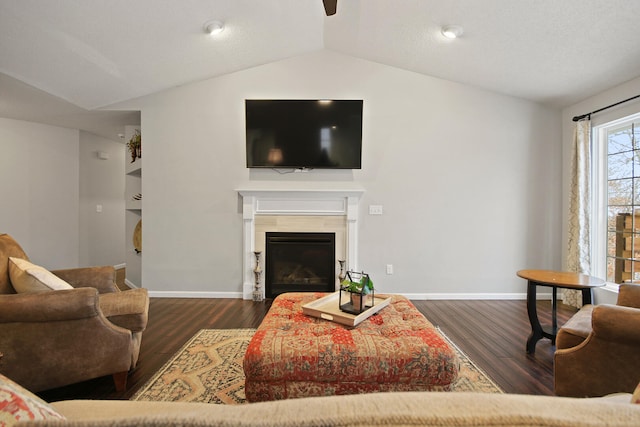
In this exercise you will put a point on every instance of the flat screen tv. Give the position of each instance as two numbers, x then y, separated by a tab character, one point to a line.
304	134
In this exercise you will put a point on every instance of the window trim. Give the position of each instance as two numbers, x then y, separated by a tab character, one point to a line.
599	201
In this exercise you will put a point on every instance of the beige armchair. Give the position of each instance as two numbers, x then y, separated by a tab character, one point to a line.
53	338
598	349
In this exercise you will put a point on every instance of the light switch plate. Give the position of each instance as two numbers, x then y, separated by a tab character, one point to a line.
375	209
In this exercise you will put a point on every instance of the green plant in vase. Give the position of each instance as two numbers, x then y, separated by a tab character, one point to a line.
359	290
135	146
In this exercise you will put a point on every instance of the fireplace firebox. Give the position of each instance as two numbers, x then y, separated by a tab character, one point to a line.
299	262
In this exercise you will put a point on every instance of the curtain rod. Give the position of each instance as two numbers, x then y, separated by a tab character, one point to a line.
578	118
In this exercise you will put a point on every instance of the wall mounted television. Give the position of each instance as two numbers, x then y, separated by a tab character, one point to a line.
304	134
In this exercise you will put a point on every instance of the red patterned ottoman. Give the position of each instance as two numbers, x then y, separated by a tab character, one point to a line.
294	355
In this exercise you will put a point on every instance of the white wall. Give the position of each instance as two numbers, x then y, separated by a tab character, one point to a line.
39	190
608	97
469	179
50	182
102	236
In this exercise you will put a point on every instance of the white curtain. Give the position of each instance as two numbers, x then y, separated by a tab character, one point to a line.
579	244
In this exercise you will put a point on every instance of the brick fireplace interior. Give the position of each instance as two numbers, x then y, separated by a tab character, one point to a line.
299	262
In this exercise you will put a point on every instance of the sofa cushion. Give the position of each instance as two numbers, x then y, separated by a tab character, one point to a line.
28	277
8	247
18	404
635	398
127	309
359	410
576	330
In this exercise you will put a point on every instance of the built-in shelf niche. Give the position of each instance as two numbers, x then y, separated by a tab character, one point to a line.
133	212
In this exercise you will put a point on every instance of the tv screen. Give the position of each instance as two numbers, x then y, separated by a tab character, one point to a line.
304	133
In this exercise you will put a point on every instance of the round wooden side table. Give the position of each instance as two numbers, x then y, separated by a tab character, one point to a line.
555	280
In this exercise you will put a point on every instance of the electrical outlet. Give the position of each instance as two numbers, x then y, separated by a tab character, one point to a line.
389	268
98	208
375	209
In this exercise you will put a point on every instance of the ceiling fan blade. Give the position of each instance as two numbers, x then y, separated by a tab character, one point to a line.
330	7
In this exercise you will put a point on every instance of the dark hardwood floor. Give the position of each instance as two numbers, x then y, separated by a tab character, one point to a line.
492	333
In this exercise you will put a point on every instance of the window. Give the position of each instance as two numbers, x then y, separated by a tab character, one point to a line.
616	201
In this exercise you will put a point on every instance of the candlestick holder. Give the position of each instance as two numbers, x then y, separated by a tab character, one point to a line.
342	274
257	271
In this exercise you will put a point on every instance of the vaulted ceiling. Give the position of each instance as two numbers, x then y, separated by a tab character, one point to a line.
80	56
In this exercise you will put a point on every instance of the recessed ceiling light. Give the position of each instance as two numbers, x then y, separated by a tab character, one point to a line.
452	31
213	28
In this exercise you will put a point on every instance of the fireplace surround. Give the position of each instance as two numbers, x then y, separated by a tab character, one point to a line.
327	204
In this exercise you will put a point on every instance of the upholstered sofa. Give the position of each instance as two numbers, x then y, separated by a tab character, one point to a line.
51	338
598	349
391	409
376	409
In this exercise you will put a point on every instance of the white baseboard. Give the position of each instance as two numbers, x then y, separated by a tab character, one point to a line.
120	266
427	296
476	296
181	294
130	284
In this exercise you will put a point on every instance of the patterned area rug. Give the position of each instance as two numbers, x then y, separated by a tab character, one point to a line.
208	368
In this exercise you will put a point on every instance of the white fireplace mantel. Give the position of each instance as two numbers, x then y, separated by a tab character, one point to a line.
295	202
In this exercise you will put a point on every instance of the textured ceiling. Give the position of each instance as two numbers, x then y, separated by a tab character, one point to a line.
94	53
